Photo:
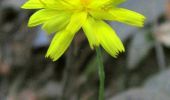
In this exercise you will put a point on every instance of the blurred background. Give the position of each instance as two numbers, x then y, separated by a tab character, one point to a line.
141	73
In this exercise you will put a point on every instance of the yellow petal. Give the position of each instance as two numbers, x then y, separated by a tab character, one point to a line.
90	31
60	5
59	45
57	23
33	4
105	3
41	16
73	2
76	22
64	4
99	33
62	40
117	2
121	15
108	38
52	4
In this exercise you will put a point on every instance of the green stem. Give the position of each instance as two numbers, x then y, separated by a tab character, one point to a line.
101	73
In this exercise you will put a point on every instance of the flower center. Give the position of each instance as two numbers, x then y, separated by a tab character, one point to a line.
85	2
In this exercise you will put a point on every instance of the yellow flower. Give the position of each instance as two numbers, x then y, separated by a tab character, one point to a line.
67	17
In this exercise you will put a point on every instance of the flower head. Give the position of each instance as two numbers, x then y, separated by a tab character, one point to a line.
67	17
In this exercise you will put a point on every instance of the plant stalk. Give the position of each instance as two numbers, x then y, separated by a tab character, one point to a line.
101	73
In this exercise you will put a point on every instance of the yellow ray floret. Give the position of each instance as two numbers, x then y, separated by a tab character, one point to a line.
67	17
